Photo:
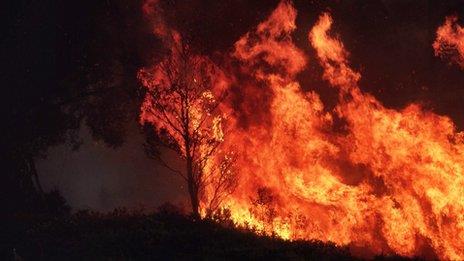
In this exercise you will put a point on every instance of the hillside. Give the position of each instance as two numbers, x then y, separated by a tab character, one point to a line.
166	235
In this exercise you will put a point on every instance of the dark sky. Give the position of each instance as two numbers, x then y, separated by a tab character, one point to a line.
389	40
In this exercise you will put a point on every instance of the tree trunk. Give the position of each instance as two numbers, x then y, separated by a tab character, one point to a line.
193	190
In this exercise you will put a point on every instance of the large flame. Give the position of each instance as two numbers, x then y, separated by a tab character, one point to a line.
373	178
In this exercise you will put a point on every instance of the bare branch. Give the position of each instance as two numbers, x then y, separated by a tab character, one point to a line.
166	165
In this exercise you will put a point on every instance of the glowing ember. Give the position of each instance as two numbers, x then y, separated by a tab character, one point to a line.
391	181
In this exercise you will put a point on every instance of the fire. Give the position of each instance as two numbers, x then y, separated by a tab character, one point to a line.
387	181
449	43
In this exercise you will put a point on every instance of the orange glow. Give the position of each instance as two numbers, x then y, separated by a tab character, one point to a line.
449	42
391	182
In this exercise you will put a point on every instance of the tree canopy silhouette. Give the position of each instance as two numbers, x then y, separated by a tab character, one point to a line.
63	69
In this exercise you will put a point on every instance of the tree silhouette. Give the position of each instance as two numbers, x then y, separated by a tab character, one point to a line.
181	106
69	71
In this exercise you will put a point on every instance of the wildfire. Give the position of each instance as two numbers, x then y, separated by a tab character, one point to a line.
391	181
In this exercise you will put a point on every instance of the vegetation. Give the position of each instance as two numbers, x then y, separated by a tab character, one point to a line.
165	234
71	70
181	106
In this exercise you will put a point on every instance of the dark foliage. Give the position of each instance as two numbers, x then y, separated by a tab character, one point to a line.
166	235
65	64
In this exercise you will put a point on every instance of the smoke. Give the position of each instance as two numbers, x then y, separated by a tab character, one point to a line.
101	178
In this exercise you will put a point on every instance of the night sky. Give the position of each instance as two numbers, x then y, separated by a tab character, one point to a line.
49	45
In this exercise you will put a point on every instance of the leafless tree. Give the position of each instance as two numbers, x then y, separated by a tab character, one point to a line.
182	106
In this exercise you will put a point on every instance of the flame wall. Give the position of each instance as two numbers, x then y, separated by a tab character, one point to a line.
362	175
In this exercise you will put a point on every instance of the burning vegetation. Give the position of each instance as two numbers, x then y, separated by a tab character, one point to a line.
363	175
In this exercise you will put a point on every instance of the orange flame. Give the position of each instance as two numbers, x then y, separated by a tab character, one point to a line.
391	182
449	43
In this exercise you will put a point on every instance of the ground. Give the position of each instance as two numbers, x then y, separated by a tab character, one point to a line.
165	235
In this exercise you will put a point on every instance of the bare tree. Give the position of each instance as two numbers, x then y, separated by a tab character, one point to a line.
220	181
181	105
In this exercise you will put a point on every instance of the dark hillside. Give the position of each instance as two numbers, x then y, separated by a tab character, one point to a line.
165	235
